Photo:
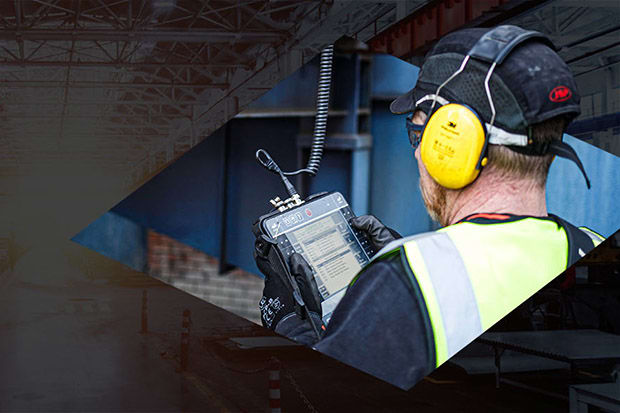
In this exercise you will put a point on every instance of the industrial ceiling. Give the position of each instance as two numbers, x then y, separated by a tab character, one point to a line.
124	87
132	84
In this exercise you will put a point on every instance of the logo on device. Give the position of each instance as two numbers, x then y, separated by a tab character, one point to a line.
308	212
275	228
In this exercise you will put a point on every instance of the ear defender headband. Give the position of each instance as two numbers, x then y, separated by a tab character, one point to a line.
455	139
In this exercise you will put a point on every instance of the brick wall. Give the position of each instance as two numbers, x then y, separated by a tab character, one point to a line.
197	273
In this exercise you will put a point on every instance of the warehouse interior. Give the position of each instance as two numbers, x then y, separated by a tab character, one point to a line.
128	133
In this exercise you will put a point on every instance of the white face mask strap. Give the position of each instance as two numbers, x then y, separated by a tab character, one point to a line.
452	76
434	97
488	91
498	136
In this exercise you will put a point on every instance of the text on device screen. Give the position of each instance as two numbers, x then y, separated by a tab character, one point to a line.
330	250
320	232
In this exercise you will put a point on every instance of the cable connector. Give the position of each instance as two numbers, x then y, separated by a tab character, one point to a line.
288	203
293	201
267	161
288	185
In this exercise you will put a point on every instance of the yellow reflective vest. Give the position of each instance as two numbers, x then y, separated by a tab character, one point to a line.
471	274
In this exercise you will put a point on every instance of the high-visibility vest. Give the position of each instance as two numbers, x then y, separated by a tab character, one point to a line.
471	275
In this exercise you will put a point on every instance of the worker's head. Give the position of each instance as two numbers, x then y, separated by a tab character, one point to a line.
505	129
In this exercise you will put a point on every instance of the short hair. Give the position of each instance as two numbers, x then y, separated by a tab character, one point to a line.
514	165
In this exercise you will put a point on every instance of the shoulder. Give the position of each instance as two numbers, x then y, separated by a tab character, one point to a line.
594	236
391	259
395	247
380	304
373	291
580	237
385	267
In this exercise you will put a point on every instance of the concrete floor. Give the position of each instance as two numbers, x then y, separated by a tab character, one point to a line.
70	340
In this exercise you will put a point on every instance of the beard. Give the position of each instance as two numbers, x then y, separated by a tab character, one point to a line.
434	197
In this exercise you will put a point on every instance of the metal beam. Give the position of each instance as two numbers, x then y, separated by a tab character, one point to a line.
97	102
596	53
128	65
95	116
95	85
414	35
160	35
610	4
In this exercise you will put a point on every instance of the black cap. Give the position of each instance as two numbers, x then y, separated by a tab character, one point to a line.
532	84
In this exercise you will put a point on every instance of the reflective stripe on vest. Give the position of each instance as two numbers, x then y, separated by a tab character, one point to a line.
447	290
596	238
472	275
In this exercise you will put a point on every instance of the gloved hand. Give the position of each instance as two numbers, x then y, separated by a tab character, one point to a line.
303	274
379	234
278	299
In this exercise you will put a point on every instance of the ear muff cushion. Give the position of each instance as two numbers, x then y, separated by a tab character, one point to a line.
452	145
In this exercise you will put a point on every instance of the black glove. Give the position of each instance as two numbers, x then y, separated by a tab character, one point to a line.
303	274
279	299
379	234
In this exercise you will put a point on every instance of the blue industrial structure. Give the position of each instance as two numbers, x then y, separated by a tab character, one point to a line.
116	237
210	197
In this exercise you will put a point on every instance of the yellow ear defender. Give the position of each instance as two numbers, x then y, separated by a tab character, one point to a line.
453	145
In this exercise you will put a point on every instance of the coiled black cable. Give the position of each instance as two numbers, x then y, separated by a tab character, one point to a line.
320	122
322	103
316	153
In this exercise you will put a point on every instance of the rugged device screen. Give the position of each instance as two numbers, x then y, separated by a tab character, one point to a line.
319	230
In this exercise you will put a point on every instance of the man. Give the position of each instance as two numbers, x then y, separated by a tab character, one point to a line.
488	113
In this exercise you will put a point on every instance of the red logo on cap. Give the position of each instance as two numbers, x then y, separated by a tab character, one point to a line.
560	94
308	212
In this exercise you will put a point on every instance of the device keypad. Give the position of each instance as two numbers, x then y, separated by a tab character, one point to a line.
364	242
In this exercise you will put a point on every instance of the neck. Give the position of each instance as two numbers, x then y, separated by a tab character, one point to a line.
493	194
